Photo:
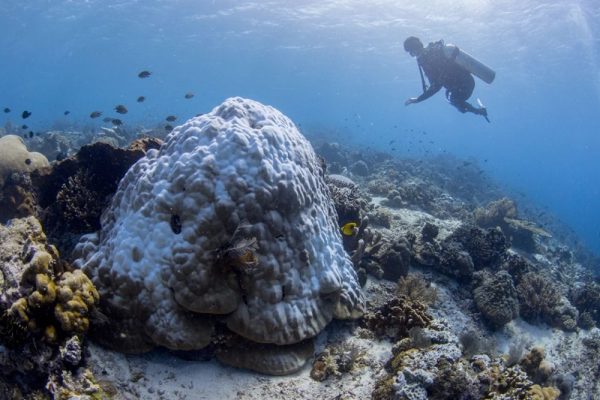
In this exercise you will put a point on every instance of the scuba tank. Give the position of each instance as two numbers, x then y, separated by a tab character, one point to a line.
469	63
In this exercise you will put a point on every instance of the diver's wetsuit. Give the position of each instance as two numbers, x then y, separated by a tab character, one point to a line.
443	72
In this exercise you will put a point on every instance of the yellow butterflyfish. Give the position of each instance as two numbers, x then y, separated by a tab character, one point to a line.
350	229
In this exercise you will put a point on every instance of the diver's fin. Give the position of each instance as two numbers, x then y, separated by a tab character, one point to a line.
483	110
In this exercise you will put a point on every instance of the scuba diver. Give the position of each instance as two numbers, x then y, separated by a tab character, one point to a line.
445	65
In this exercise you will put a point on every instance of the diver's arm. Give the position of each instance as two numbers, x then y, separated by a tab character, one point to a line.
430	91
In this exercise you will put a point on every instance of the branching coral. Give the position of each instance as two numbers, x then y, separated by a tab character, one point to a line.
416	288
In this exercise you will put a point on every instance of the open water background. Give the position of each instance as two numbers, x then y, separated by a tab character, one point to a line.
336	67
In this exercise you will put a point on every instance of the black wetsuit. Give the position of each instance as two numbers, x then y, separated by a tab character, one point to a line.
444	72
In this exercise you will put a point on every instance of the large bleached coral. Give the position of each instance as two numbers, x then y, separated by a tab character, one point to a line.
230	220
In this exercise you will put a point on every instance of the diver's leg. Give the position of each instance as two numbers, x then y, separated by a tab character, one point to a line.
458	97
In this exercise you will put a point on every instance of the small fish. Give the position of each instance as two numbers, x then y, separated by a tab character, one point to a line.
144	74
141	99
189	95
121	109
391	141
7	110
117	122
30	134
107	119
171	118
349	229
466	163
168	128
95	114
67	112
24	127
26	114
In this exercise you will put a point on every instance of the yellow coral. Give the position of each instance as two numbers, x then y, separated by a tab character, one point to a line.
50	334
76	295
41	262
45	292
543	393
19	309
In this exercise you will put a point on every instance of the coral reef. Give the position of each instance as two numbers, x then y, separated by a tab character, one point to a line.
383	256
503	214
397	317
75	191
336	360
17	198
496	297
38	295
14	158
240	174
541	301
45	311
587	301
485	246
265	358
417	289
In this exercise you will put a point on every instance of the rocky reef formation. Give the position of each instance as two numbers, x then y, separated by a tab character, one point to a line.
230	222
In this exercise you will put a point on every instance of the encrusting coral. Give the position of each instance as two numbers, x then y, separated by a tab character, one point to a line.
241	174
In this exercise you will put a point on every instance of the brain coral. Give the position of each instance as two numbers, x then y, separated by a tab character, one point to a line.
230	220
14	157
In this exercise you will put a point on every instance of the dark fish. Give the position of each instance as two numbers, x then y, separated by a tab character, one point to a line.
28	161
30	134
117	122
24	127
171	118
392	141
121	109
141	99
7	110
107	119
168	128
67	112
26	114
466	163
189	95
95	114
144	74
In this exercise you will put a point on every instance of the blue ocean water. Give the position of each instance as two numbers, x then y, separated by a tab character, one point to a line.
336	67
